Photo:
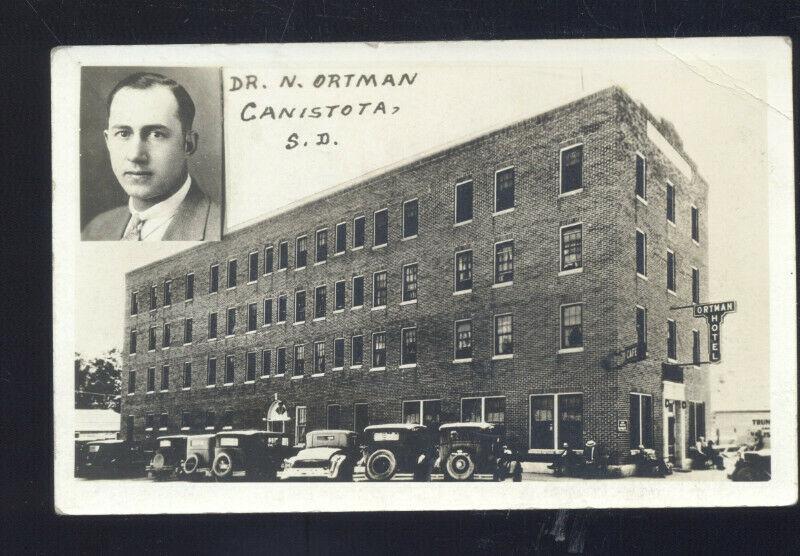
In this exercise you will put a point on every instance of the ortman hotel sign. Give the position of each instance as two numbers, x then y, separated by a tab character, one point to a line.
714	313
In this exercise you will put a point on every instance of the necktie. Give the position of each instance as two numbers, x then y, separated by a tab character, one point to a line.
134	232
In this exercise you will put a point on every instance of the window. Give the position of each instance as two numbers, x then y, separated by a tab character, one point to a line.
641	177
463	268
300	306
503	335
131	382
697	422
132	349
341	237
504	190
266	362
571	247
252	267
187	331
187	375
300	253
339	294
213	279
250	366
320	302
151	379
227	419
410	283
269	259
484	410
231	323
167	293
211	371
641	426
695	224
696	347
166	338
151	339
211	419
360	417
283	255
322	246
641	253
280	360
572	326
163	422
165	377
252	317
672	340
338	353
334	416
408	346
281	308
267	311
189	286
670	202
358	232
463	202
695	285
462	340
212	326
410	219
641	327
572	169
358	291
423	412
319	357
232	273
153	298
230	363
381	228
357	351
670	271
379	350
504	262
129	427
300	423
379	289
149	421
186	420
134	303
299	360
548	432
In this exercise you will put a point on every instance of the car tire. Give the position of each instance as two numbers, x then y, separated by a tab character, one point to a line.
191	464
222	467
460	466
381	465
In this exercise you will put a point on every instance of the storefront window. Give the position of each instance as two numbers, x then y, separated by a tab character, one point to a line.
570	419
641	421
547	433
542	425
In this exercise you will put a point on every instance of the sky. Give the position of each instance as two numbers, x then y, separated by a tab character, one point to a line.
711	95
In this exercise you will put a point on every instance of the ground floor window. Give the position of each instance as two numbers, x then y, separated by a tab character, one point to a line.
425	412
360	417
556	419
276	421
483	410
300	423
641	421
696	423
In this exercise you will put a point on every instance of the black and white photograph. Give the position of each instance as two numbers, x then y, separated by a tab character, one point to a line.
473	276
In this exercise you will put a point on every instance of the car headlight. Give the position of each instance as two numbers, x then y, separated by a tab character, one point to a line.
420	459
287	463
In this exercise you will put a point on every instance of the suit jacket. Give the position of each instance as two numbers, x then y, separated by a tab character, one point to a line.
197	219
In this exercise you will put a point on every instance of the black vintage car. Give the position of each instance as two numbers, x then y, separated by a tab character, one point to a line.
328	455
252	455
199	456
467	449
167	462
755	463
398	448
112	458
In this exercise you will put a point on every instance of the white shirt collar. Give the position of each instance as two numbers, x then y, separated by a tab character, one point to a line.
166	208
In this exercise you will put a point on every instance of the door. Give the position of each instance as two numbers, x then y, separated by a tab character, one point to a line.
671	438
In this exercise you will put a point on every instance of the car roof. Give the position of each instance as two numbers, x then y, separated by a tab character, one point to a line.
210	435
249	432
173	437
478	426
110	441
396	426
332	431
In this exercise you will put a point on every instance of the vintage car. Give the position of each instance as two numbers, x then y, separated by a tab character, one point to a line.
754	464
199	456
467	449
113	458
397	448
328	454
167	462
252	455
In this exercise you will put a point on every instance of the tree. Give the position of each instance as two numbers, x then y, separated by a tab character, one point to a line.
98	381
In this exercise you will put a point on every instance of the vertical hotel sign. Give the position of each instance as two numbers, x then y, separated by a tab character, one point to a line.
714	314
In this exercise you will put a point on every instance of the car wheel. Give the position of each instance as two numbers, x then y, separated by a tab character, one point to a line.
460	466
190	464
381	465
222	466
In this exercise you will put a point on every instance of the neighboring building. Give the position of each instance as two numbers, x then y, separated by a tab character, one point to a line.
96	424
497	280
739	426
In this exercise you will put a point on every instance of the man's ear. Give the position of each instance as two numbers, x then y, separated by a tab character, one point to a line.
190	142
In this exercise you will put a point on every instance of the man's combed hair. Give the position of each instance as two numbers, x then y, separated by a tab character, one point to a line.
145	80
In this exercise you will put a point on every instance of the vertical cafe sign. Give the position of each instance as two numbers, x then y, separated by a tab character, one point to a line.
714	313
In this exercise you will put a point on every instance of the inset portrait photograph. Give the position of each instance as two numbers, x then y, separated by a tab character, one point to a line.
151	154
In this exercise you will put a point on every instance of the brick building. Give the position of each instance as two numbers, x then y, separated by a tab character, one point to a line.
496	280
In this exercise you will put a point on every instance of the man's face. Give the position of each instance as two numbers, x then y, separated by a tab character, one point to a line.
146	143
